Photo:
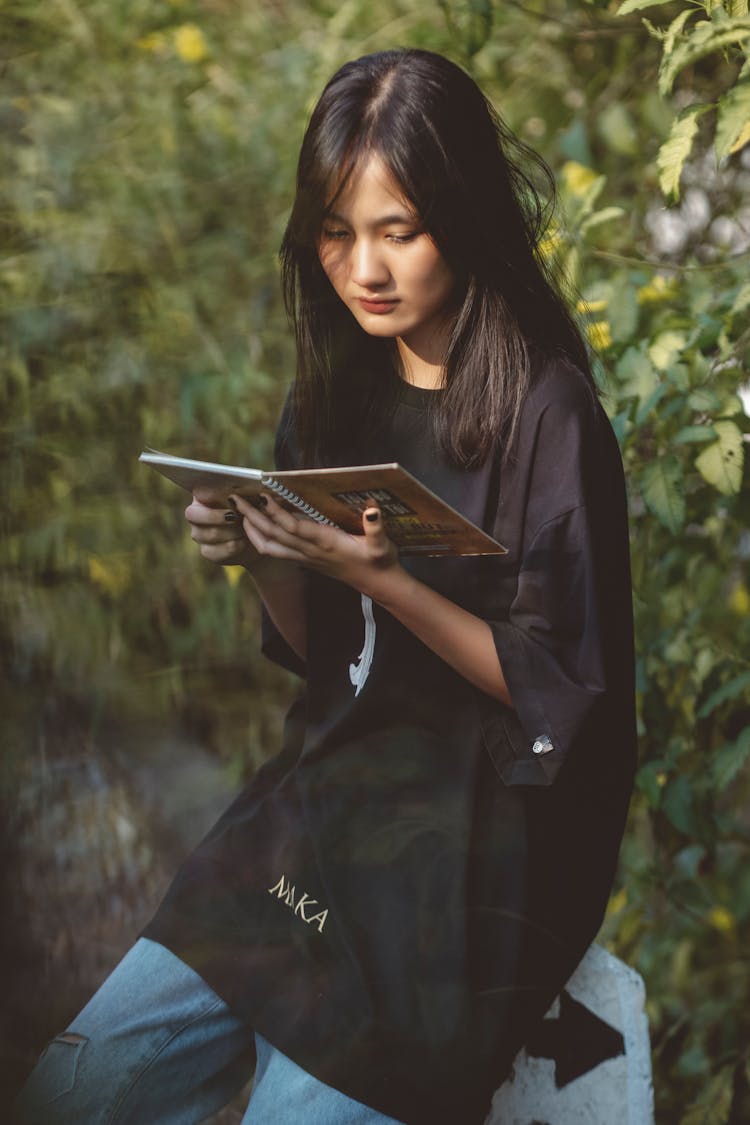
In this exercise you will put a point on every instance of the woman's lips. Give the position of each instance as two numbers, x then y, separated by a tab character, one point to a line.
376	305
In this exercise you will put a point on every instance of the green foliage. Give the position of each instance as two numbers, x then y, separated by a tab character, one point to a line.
733	119
674	345
661	487
724	35
683	434
147	164
675	151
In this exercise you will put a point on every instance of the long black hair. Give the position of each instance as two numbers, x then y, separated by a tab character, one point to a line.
484	197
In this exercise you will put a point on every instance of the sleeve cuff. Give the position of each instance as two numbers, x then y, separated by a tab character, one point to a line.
529	742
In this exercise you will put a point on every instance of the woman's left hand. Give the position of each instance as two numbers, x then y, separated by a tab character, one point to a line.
366	562
370	564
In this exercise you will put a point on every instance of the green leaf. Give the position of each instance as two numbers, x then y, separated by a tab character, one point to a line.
704	39
675	29
604	216
479	25
727	691
648	404
623	310
616	127
654	31
731	405
720	464
679	376
733	118
688	860
620	426
694	1061
661	486
693	434
638	6
650	780
637	374
730	759
742	299
677	803
704	400
676	149
665	349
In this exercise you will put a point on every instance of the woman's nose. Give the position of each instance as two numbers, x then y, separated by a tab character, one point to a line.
368	268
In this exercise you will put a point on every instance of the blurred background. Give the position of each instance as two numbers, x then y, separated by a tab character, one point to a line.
147	153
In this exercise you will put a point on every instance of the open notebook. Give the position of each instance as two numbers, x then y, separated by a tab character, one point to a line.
417	520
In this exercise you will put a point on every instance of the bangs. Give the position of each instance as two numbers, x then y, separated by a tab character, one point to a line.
341	173
349	127
338	172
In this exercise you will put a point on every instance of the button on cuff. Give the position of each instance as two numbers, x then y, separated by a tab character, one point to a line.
542	745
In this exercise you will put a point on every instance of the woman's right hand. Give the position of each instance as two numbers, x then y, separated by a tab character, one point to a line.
219	532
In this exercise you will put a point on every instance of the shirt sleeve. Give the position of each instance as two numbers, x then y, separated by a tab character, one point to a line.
571	598
272	644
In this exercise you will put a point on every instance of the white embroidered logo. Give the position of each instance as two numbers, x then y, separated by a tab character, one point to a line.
358	673
287	893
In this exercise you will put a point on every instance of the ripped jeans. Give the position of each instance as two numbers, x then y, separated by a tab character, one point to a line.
156	1046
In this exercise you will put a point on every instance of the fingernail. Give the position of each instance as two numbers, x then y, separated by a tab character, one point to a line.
230	517
372	516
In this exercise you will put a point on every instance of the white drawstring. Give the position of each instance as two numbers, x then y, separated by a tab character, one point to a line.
359	672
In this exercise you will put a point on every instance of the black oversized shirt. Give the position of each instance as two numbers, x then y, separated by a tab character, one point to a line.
397	896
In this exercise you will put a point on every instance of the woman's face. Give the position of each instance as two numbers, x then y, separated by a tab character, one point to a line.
383	265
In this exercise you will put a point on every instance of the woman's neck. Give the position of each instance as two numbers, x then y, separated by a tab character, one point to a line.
422	369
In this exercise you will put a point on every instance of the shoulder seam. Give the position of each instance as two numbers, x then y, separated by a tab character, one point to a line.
556	517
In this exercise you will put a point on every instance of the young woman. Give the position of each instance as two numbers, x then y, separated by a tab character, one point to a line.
396	898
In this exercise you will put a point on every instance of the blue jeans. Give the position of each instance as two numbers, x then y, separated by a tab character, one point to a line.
156	1046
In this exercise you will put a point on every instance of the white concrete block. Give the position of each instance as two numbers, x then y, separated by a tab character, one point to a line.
590	1063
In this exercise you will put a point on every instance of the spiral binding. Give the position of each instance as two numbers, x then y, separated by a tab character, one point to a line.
286	494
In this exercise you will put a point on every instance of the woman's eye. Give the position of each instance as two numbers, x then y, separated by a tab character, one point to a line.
399	238
336	234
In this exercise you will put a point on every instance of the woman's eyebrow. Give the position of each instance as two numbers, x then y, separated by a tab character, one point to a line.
383	221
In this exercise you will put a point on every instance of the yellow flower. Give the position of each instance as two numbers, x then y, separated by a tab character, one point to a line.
739	600
578	178
549	246
600	335
661	779
586	307
721	919
189	43
154	42
660	288
233	574
110	573
617	901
